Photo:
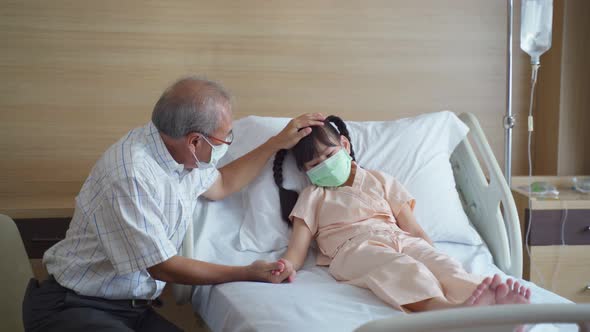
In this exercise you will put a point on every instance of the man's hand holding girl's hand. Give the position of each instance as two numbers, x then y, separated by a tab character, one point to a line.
285	270
275	272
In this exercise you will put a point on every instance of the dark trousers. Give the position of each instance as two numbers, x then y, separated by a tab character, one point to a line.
51	307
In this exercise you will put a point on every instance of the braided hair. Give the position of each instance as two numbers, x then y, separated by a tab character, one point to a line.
305	151
342	130
287	197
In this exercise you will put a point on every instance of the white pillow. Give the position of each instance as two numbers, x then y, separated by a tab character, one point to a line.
414	150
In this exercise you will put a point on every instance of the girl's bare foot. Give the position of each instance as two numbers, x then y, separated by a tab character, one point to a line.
512	293
491	291
485	292
497	292
521	289
483	287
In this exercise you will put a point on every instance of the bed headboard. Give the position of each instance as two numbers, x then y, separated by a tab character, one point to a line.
75	76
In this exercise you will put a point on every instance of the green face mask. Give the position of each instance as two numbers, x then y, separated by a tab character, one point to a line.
332	172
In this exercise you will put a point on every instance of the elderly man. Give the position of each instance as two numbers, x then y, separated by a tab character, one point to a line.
133	211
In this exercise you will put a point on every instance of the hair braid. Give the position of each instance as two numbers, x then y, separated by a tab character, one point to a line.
288	198
343	131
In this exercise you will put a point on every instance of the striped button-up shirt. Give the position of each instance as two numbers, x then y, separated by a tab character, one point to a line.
131	213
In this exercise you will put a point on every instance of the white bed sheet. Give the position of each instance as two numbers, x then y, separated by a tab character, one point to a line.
315	301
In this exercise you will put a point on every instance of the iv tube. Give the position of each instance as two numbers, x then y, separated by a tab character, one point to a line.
535	39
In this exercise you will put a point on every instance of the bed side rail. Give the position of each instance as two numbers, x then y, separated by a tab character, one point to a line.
498	318
481	200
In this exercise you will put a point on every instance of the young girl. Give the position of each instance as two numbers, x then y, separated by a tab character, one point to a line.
366	231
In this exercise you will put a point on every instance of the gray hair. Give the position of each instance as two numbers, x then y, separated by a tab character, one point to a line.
190	105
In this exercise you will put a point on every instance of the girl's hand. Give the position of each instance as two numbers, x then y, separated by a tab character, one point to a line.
286	270
265	271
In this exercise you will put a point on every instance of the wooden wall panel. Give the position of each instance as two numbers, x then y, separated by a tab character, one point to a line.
76	75
574	125
547	99
562	112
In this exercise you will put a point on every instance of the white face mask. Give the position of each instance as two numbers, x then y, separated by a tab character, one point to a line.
217	152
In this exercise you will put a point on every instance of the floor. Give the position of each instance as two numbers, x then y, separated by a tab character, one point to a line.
181	315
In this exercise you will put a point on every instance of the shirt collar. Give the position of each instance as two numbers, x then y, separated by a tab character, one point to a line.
160	151
358	176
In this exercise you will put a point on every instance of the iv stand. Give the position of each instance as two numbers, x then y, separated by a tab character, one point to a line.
509	118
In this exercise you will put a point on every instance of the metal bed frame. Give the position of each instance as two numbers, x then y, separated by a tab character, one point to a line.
489	204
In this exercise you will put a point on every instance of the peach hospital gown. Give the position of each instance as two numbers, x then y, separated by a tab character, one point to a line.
357	235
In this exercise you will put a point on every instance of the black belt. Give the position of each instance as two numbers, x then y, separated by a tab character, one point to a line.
133	303
137	303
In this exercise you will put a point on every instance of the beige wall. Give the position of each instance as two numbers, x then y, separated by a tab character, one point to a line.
76	75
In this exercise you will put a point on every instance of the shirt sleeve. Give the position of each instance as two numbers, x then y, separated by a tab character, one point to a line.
306	208
396	194
131	227
209	177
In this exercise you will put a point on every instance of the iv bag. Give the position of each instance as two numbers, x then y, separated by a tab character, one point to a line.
535	29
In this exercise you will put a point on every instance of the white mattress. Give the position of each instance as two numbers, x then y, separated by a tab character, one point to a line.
315	301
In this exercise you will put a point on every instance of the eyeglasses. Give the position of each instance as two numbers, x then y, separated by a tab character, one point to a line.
228	140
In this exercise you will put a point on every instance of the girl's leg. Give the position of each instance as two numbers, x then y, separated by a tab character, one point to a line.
437	303
394	277
460	287
491	291
456	283
406	283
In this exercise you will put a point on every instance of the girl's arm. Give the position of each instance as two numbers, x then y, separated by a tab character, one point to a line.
407	222
298	244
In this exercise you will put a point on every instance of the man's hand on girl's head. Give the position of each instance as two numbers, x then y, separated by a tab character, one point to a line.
296	129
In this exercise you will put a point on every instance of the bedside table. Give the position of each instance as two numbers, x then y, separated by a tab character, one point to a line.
560	266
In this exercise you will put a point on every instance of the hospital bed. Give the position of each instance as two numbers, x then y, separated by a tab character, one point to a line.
316	302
